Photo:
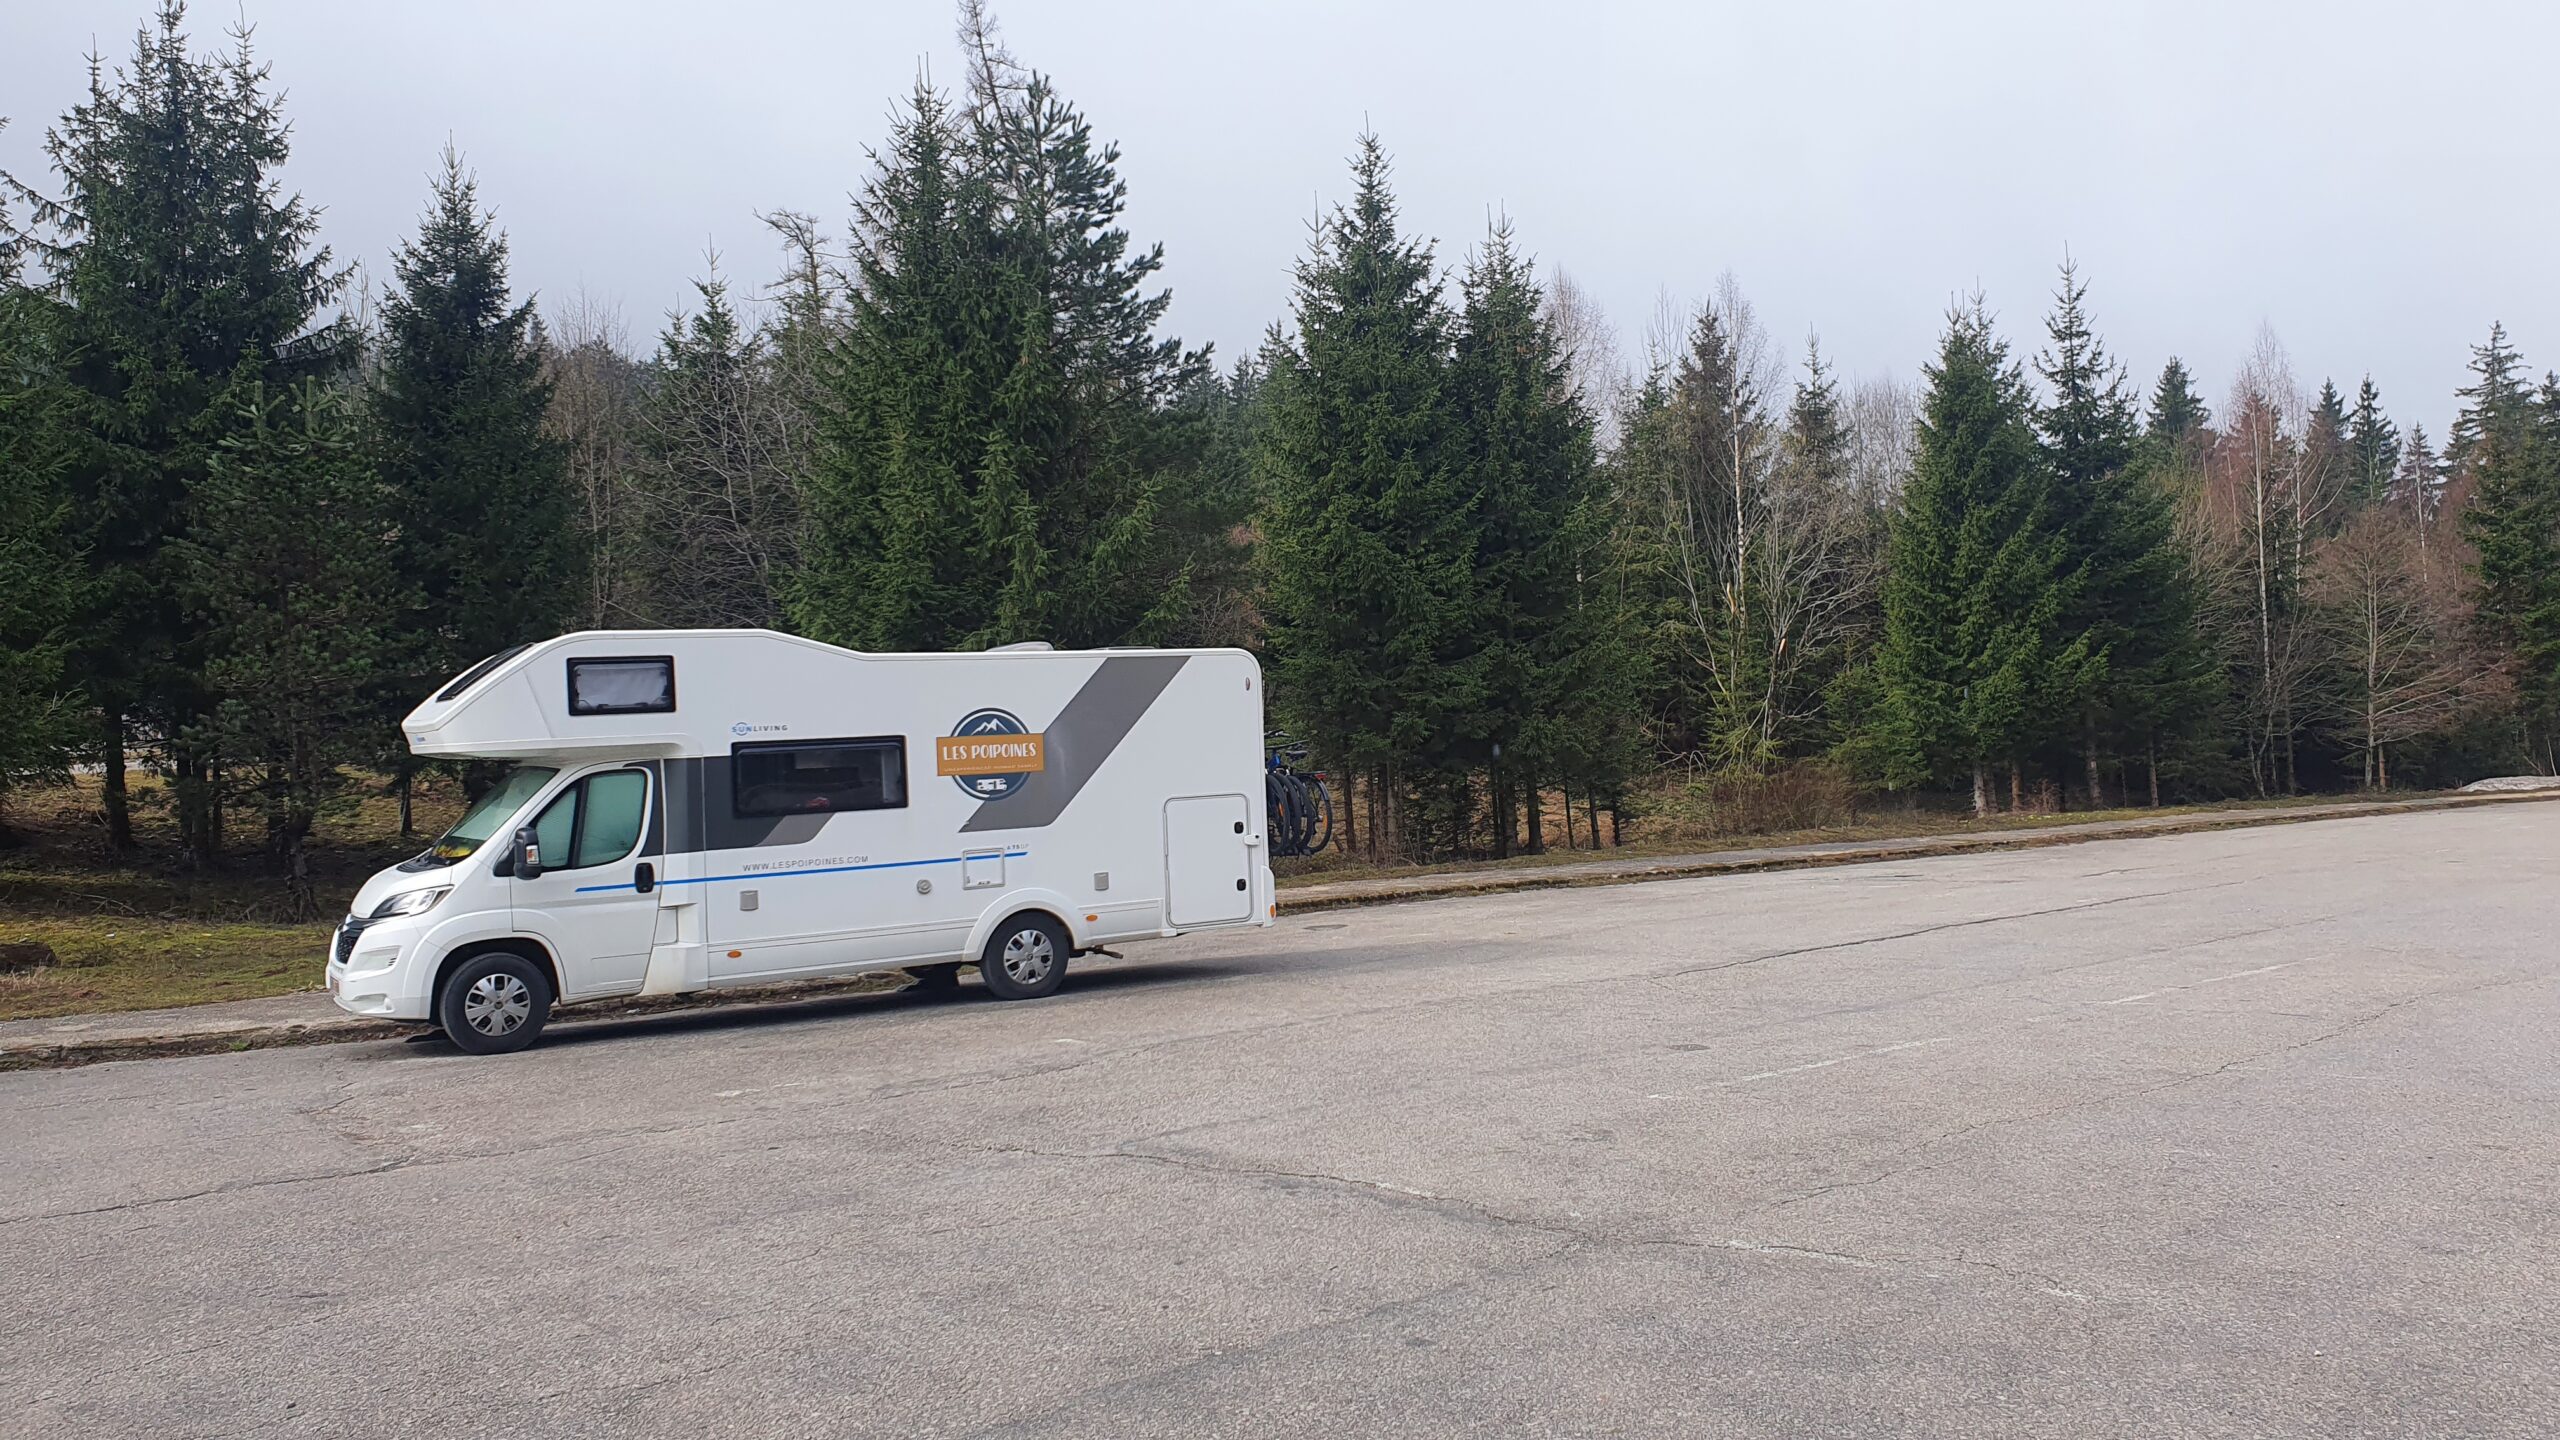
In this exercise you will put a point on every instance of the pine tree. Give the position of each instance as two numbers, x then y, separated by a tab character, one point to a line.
479	489
183	268
2374	443
1976	596
1368	542
1553	664
287	563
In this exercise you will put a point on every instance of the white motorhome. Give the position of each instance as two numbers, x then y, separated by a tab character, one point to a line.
691	809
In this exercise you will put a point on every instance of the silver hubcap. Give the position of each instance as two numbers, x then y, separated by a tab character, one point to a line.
1028	956
497	1004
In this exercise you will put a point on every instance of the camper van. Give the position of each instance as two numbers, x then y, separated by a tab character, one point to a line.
690	809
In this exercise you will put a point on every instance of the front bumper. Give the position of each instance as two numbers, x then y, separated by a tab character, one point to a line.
365	974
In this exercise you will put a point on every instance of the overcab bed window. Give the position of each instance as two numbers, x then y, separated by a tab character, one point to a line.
805	777
622	685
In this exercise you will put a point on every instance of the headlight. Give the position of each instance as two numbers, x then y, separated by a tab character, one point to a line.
415	902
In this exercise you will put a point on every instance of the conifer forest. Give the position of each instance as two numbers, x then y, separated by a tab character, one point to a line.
1494	563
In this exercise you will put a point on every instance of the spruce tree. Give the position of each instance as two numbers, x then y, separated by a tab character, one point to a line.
479	490
1977	596
38	571
2327	465
1207	519
1368	542
2374	443
1718	453
183	267
1553	663
288	563
2177	430
2133	605
995	443
2503	450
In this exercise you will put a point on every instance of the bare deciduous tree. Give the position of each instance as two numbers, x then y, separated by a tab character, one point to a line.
1592	359
1884	418
595	396
2403	662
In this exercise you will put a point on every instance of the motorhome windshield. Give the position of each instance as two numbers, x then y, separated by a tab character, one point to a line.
489	812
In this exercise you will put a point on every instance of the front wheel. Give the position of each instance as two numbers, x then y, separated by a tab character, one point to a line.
1025	959
494	1003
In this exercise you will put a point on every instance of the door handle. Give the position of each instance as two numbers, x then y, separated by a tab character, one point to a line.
644	877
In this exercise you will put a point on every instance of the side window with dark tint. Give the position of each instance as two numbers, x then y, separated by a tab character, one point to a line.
622	685
819	776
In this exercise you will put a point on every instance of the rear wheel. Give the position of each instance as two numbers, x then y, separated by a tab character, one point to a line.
494	1003
1025	959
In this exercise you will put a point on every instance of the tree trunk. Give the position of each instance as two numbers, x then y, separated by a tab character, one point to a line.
2151	754
1591	812
2097	791
1981	793
408	821
1617	835
1564	793
1501	806
1537	819
2017	789
111	765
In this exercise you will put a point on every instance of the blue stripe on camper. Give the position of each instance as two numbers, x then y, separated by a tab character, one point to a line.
796	874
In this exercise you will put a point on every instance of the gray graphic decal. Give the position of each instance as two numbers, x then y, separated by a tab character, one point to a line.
1092	725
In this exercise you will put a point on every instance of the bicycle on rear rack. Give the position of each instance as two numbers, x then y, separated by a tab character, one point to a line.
1301	810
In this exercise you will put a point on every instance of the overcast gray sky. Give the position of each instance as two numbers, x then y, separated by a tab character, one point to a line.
2372	180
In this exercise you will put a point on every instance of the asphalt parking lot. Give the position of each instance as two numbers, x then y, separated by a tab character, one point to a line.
2245	1133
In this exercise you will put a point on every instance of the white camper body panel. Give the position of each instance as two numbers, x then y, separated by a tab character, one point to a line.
802	820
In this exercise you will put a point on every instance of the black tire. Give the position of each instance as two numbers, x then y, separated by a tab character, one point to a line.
494	1003
1026	958
935	979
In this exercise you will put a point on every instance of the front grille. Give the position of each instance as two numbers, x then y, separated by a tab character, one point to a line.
348	930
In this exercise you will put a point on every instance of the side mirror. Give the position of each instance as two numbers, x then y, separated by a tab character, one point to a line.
528	853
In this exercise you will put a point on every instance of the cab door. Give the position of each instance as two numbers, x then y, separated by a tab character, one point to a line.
595	904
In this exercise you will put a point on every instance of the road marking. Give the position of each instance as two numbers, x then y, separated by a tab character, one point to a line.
2216	980
1841	1059
2242	974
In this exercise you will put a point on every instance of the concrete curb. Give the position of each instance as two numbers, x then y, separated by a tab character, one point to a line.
179	1034
220	1037
1305	899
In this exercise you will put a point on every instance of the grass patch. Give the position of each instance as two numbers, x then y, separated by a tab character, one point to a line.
120	963
147	930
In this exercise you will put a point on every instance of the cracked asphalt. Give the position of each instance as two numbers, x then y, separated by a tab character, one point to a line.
2246	1133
